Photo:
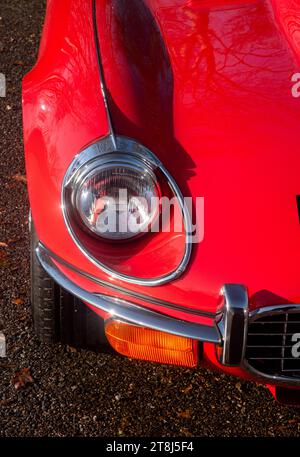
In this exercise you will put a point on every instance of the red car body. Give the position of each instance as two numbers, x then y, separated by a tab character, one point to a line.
206	85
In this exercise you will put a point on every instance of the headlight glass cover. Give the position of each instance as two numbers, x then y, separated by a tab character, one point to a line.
118	179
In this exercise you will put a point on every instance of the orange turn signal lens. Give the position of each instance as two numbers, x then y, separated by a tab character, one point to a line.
153	345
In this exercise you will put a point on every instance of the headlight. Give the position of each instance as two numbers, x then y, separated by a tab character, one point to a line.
114	190
119	199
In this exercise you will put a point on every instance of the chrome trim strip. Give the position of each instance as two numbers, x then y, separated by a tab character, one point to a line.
261	312
101	73
233	324
130	293
129	311
105	146
275	309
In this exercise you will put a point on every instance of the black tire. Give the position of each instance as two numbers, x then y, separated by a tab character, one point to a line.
58	316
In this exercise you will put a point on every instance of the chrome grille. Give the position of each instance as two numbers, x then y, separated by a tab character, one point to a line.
269	343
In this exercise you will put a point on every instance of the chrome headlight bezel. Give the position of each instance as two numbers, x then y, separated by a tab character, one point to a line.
104	150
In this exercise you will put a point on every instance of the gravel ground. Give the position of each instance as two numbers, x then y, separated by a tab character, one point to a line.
81	393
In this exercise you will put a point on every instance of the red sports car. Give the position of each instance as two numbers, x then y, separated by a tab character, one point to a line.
162	155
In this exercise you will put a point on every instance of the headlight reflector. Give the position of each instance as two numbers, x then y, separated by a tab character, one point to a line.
118	200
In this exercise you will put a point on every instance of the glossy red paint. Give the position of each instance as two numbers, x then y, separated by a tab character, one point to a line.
206	85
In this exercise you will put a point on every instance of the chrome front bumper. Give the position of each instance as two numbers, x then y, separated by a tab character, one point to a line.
126	310
228	329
